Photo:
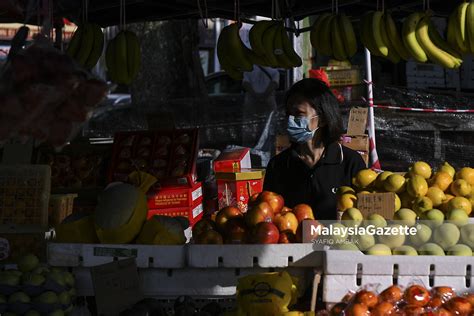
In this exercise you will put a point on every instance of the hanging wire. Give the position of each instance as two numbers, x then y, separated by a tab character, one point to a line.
428	4
204	17
383	5
332	6
337	6
424	5
273	9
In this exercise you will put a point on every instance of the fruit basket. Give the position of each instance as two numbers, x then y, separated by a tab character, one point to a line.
347	270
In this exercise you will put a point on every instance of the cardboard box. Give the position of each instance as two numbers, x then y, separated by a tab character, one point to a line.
343	76
365	157
233	160
193	213
357	123
175	196
356	142
379	203
236	188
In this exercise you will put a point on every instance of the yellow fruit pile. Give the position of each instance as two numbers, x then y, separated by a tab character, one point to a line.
419	189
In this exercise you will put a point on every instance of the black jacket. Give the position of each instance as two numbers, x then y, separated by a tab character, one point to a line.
289	176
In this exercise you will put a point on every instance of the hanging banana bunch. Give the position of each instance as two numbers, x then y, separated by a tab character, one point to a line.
333	35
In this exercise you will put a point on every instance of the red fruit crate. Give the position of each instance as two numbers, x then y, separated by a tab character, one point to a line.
175	196
168	155
193	213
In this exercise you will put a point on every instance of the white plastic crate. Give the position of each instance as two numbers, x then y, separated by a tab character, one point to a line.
89	255
348	270
248	256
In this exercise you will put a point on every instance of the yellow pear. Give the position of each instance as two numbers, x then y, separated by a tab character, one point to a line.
470	197
467	174
364	178
417	186
460	187
420	168
422	204
442	180
394	183
406	200
459	202
398	203
436	195
346	201
446	167
345	189
379	182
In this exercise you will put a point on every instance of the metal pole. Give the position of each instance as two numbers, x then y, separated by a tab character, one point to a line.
217	32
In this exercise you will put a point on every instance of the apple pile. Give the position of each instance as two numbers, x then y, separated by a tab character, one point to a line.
420	189
33	289
267	221
414	300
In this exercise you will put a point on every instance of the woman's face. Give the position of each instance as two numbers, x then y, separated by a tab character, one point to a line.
305	109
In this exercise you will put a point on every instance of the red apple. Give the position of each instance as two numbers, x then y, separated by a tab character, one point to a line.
393	294
203	225
209	237
368	298
287	238
459	306
470	298
286	222
413	310
303	211
445	293
417	295
266	233
235	231
285	209
262	212
253	199
225	214
275	200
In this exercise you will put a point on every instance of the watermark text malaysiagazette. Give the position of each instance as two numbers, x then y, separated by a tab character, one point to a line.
331	230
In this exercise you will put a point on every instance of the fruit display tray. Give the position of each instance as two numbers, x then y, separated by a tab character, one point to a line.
250	256
348	270
169	155
89	255
24	196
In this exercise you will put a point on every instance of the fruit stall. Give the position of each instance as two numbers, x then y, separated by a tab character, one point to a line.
157	224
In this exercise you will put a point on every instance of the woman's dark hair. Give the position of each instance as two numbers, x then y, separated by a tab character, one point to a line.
320	97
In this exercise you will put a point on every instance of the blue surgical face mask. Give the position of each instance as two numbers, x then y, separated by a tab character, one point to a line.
298	129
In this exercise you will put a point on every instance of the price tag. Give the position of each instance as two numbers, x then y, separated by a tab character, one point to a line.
357	121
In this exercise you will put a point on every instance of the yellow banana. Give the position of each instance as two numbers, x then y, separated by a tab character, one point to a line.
394	37
439	42
256	36
232	71
324	35
231	45
75	42
409	37
316	32
268	44
337	42
366	33
87	42
377	36
392	52
461	26
134	56
348	36
97	47
110	60
255	59
290	52
278	51
435	54
470	27
121	58
451	33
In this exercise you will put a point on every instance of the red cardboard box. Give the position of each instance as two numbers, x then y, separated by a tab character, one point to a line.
193	213
233	160
235	188
175	196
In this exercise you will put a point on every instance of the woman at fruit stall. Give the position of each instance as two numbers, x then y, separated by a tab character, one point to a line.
316	164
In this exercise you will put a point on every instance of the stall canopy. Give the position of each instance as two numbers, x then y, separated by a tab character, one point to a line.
107	12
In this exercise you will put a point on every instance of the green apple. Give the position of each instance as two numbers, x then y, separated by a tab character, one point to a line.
347	246
459	250
467	235
392	240
69	279
433	217
33	279
47	298
446	235
352	217
32	313
15	273
64	298
19	297
58	312
379	250
422	236
27	263
405	251
72	292
457	216
363	242
337	238
57	276
405	216
9	279
41	270
375	219
431	249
